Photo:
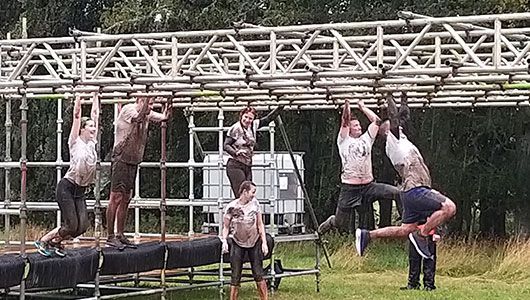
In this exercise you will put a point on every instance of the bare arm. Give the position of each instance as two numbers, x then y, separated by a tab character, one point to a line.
76	122
161	117
345	121
270	117
226	226
261	230
227	146
94	113
373	128
224	234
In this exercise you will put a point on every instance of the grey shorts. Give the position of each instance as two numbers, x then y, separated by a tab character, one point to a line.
355	195
122	177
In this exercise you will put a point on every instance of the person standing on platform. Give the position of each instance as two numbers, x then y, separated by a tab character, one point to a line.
128	151
240	142
70	191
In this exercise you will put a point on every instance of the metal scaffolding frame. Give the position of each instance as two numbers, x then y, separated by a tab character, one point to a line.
439	62
23	206
443	62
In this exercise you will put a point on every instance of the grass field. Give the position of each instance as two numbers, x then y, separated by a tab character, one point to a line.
471	270
465	270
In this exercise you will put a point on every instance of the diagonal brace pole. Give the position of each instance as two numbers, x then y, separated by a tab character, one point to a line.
301	181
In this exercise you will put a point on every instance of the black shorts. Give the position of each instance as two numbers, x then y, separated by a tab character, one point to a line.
355	195
420	203
122	177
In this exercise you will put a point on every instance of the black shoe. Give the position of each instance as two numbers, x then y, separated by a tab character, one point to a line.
362	238
126	242
410	287
429	288
114	242
326	225
421	244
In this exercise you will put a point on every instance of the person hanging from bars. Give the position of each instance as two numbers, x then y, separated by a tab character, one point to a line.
70	191
358	188
240	142
127	153
400	121
243	221
421	203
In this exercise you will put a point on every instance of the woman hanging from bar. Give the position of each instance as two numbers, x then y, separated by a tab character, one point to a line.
70	192
240	142
243	220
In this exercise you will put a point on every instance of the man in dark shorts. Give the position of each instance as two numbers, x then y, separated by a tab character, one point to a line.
358	189
420	202
128	151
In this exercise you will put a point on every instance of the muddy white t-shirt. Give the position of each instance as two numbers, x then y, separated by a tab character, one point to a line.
356	157
83	158
407	160
243	225
245	139
131	137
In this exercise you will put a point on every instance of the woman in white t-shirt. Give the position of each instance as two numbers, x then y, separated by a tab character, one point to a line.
243	221
70	192
240	142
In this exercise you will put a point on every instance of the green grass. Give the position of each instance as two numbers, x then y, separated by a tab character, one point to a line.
473	270
465	270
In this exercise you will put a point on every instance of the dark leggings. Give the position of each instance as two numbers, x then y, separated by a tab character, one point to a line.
237	172
74	215
415	266
237	256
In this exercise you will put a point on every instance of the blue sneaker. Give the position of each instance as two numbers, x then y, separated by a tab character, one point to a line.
43	248
362	238
421	244
58	248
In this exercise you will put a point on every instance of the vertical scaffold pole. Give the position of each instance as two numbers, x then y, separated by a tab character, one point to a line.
191	171
23	187
191	181
97	208
272	198
23	171
59	144
220	164
7	158
163	207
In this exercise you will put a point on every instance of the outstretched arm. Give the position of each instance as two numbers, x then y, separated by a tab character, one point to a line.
345	120
374	119
270	117
76	122
161	117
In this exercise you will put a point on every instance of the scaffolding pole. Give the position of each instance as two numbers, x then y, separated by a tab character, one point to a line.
448	53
